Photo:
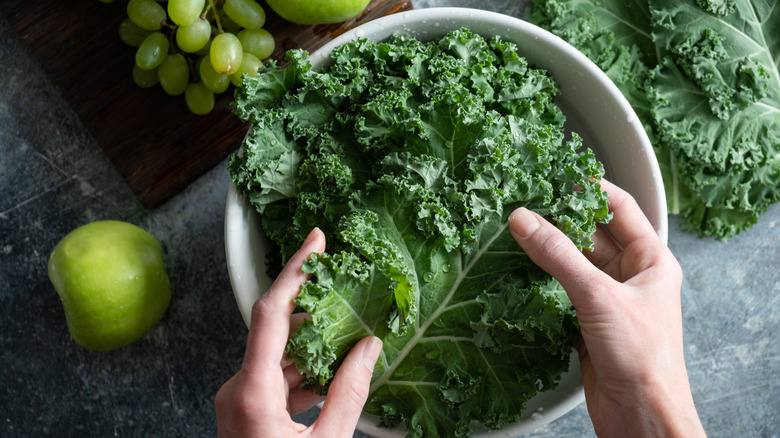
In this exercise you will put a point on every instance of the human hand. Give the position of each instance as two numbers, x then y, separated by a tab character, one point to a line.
627	296
260	399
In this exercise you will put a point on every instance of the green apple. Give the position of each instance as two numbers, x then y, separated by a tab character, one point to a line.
317	11
111	280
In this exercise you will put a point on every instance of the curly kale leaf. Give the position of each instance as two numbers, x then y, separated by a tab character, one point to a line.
716	103
704	78
410	156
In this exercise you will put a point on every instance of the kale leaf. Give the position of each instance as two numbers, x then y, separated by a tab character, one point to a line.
704	78
410	155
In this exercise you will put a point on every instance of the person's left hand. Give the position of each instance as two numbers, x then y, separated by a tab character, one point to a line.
260	399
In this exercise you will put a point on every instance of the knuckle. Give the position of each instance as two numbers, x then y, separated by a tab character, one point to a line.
261	308
624	199
357	387
669	264
551	244
236	403
597	290
242	402
220	399
357	393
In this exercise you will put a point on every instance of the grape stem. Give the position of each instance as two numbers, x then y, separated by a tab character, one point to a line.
216	15
191	66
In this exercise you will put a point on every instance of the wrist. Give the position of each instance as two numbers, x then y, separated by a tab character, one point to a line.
662	410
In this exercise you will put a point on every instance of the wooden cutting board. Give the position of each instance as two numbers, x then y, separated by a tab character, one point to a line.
152	139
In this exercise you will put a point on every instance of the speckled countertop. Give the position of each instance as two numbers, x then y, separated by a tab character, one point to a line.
54	177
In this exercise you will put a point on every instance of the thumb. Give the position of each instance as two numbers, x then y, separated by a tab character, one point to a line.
349	390
552	251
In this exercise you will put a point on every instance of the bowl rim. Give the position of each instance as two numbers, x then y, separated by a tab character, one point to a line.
380	29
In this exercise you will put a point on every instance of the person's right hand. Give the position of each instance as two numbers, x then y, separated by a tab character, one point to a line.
627	296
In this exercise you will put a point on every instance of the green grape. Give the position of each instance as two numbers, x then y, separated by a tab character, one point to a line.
131	34
196	67
145	78
258	42
184	12
246	13
194	36
174	74
228	25
212	80
152	51
205	49
146	14
199	99
226	53
249	65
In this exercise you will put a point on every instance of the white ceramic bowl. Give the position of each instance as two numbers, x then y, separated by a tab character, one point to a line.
594	108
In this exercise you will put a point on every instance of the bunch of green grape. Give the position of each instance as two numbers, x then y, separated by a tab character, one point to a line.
195	48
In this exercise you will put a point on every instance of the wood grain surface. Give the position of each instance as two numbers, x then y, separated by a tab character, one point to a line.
152	139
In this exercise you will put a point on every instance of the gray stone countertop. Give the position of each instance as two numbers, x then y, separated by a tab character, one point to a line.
54	177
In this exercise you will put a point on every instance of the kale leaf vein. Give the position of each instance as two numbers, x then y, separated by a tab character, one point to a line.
410	156
704	78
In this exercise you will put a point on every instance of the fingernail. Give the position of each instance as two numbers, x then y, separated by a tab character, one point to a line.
523	223
312	235
372	351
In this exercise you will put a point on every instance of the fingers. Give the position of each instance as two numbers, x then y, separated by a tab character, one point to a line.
552	251
628	227
270	324
295	323
605	249
640	247
292	377
628	222
302	400
349	390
